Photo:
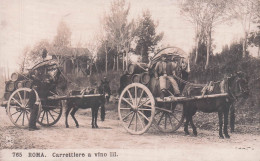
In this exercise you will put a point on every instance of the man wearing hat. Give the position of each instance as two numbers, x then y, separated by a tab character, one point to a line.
34	107
163	71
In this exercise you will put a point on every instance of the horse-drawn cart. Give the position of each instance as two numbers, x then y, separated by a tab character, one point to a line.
140	106
49	78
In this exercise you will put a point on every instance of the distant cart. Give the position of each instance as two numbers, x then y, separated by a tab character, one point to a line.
139	104
17	90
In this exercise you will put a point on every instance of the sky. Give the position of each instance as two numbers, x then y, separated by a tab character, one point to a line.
26	22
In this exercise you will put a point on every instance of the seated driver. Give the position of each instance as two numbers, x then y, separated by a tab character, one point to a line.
163	71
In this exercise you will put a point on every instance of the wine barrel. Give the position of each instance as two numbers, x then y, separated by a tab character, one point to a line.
15	76
145	78
136	78
136	68
19	84
27	84
10	86
7	95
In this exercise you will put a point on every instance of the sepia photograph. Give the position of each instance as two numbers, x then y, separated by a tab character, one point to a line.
123	80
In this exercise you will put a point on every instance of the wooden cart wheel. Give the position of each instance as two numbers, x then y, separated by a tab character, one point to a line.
51	112
17	107
136	108
169	121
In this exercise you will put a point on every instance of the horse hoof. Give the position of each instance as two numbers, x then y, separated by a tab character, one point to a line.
195	133
67	126
77	126
221	137
227	136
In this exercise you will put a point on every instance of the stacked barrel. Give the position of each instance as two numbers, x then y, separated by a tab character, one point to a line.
17	81
138	73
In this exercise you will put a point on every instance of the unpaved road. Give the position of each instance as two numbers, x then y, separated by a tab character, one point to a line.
111	135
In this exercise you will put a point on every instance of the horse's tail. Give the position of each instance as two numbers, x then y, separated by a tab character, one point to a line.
103	112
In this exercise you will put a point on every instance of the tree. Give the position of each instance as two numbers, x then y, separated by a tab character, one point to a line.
244	11
204	15
25	59
254	39
146	37
117	27
36	52
63	37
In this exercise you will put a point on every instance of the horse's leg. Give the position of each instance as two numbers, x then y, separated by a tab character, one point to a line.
93	115
193	127
96	115
232	118
186	125
220	119
66	115
226	112
74	110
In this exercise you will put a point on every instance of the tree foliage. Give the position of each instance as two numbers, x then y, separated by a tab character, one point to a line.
204	15
146	36
63	37
117	27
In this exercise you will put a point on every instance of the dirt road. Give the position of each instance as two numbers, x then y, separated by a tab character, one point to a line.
111	135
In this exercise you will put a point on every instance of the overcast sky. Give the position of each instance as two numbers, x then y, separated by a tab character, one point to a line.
25	22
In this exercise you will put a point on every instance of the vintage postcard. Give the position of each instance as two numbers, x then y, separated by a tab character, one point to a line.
129	80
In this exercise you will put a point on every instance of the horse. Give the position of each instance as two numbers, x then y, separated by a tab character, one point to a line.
235	86
89	102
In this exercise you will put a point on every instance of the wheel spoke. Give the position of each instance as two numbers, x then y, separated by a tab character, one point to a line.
51	116
135	121
20	97
143	115
161	118
127	101
127	115
141	95
171	121
176	118
15	113
55	111
144	103
47	117
43	116
18	117
165	121
125	108
23	117
16	101
130	96
27	115
131	120
140	120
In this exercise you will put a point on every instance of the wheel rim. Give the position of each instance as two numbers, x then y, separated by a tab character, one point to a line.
169	122
18	109
136	108
50	113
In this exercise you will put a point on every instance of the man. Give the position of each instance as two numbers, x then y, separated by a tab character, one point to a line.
163	71
34	107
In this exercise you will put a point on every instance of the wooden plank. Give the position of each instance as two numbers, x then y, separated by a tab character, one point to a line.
185	99
75	96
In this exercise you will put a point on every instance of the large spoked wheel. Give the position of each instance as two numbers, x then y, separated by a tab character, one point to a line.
51	112
136	108
170	119
18	109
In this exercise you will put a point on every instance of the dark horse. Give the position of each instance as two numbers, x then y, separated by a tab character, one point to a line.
235	86
93	102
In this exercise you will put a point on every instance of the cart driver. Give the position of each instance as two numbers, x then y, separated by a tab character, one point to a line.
163	71
34	107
